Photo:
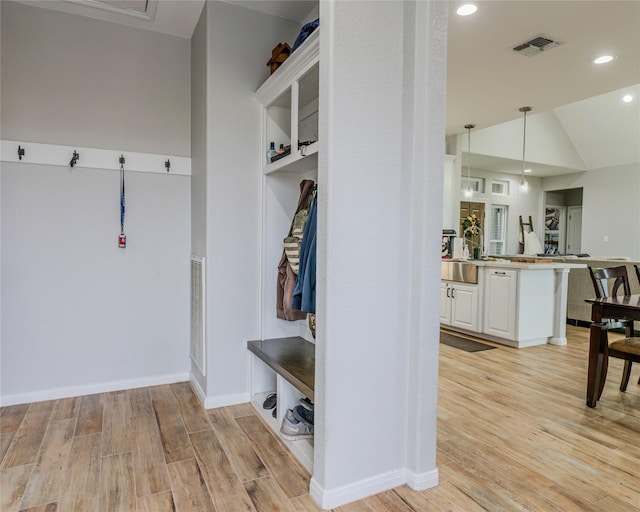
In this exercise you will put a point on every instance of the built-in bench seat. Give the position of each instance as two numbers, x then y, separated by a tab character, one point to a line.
293	358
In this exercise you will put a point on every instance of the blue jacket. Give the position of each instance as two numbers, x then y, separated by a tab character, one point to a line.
304	294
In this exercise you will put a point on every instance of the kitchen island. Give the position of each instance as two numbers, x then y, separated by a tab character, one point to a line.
520	304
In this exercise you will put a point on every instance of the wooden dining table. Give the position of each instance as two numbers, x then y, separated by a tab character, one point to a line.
625	307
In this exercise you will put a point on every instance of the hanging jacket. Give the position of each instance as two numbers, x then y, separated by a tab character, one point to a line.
304	295
286	277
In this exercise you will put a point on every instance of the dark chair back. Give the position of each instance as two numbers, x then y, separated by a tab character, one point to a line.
637	272
601	277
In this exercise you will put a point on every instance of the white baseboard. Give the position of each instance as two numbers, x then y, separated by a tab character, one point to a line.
422	481
195	385
211	402
91	389
356	491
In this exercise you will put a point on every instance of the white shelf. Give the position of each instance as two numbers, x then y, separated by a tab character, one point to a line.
302	60
296	162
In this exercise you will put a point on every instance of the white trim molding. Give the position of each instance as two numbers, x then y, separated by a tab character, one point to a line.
91	389
356	491
422	481
213	402
93	158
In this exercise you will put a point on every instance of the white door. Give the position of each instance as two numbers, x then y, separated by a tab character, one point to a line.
574	230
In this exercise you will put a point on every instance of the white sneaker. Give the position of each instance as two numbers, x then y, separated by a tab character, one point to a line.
292	429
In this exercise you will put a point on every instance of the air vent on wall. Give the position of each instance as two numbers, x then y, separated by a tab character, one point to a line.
536	45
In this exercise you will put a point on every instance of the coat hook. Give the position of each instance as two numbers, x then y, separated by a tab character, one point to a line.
74	158
20	152
167	164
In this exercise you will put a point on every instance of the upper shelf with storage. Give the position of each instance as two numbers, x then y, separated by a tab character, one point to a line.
290	100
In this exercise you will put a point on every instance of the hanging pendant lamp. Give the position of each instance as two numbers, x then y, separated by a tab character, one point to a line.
524	184
468	192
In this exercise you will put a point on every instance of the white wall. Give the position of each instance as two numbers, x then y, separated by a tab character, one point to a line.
234	157
73	80
547	141
517	202
80	315
610	207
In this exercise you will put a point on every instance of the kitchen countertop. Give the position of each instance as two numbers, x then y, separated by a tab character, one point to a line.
517	265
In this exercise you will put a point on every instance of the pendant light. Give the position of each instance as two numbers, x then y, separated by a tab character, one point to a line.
468	193
524	184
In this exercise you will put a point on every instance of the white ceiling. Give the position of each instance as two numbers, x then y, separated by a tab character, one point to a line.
487	81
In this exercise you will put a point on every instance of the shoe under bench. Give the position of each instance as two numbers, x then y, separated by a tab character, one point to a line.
285	366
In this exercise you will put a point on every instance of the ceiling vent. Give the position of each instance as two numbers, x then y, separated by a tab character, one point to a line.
143	9
536	45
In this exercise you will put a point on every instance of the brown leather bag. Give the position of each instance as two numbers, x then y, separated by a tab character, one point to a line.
286	276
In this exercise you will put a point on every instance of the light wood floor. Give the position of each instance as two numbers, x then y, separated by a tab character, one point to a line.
513	434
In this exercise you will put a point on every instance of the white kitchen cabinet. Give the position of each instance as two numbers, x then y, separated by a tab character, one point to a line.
459	305
445	303
519	305
500	297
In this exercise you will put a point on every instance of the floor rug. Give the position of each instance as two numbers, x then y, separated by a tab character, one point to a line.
462	343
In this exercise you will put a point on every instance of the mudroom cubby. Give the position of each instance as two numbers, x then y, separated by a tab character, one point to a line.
285	366
290	109
283	361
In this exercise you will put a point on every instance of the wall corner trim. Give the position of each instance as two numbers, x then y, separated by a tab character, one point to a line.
422	481
93	158
329	499
212	402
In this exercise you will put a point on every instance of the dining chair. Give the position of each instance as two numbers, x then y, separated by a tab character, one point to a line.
601	278
637	271
627	349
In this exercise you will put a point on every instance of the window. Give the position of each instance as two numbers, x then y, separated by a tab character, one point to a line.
498	230
500	187
476	184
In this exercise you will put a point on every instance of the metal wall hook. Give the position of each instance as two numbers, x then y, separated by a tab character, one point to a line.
167	164
20	153
74	158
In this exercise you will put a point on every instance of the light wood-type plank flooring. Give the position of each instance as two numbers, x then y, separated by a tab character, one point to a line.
513	434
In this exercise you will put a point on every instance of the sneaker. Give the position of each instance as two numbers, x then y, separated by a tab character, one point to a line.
292	429
306	403
304	415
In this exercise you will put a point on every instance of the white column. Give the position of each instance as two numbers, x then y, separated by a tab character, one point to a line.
560	308
380	164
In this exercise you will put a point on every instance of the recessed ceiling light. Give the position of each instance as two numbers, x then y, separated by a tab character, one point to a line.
527	171
627	98
603	59
466	9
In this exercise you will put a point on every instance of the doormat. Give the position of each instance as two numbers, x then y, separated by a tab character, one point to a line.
463	343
